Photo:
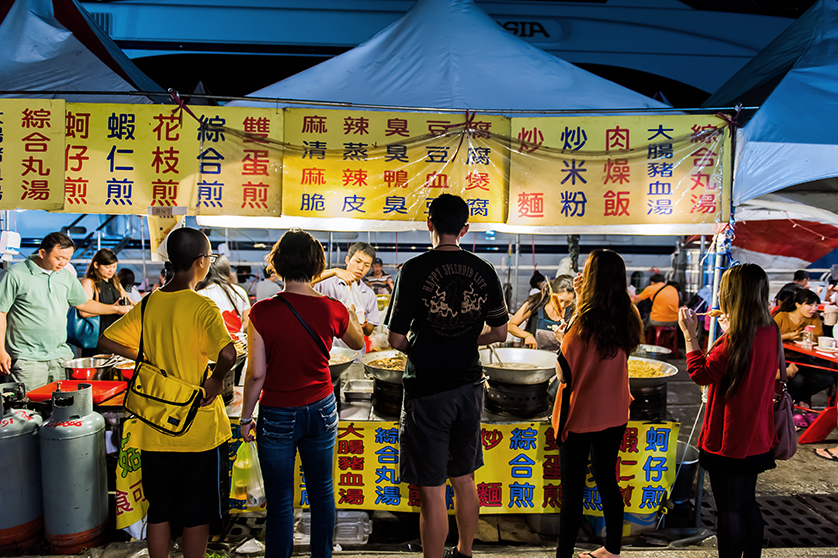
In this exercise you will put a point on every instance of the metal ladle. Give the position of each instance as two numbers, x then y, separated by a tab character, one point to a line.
495	354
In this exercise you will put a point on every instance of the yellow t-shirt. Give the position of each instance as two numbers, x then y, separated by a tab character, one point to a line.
182	331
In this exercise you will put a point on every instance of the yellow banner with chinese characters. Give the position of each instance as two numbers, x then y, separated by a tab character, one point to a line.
31	154
123	159
521	472
620	170
131	503
390	166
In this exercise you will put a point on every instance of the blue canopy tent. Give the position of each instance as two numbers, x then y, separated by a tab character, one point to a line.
449	54
787	153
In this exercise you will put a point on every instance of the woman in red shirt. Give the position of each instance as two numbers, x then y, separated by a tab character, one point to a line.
737	436
289	367
592	406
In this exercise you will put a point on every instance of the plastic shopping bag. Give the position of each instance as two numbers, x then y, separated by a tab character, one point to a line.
247	481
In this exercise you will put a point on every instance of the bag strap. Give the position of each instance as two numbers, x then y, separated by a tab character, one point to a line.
317	340
665	285
781	353
140	355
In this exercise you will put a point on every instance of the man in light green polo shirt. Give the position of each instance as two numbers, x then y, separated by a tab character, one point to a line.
34	297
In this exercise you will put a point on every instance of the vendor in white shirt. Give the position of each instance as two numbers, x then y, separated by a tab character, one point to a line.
347	286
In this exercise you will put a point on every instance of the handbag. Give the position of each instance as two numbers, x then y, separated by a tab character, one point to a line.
82	332
783	411
163	402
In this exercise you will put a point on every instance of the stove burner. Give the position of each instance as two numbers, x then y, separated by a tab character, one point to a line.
516	400
386	398
649	403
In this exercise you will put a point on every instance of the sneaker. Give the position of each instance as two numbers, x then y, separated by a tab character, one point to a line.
454	553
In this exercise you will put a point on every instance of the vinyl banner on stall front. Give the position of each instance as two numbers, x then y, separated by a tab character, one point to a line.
521	473
31	154
390	166
124	159
620	170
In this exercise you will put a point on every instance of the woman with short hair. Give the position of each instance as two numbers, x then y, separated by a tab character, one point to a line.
288	373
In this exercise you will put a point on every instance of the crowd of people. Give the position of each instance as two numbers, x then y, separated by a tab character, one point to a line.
591	320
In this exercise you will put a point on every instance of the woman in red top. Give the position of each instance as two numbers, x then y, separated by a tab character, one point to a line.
289	367
737	436
592	406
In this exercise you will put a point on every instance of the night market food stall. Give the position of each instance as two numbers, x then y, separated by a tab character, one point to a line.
327	169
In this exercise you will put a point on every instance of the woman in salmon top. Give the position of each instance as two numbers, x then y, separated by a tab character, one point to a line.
737	436
592	406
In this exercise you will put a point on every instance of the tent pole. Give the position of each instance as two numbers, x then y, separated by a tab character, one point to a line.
517	268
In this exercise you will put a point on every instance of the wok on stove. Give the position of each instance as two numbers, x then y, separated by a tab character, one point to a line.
337	369
383	374
543	365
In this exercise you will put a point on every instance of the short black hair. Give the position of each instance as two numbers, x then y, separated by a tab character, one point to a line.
536	278
800	275
183	246
297	256
361	247
657	278
449	214
126	278
54	239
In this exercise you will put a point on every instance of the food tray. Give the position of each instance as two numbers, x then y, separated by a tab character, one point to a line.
357	390
102	389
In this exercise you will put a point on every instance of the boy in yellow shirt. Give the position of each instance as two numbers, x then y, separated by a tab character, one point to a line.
184	478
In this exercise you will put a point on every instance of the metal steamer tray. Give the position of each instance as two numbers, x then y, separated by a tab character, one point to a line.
543	362
383	374
337	369
667	369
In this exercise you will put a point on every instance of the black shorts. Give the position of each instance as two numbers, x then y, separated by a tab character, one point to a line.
439	436
185	487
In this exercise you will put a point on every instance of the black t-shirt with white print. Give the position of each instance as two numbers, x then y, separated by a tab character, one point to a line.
441	301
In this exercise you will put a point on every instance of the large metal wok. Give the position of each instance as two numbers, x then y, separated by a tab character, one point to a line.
655	352
337	369
383	374
543	362
668	371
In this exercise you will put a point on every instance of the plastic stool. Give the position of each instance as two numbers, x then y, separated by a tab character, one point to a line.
664	336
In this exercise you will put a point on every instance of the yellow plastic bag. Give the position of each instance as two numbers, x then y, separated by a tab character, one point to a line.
247	481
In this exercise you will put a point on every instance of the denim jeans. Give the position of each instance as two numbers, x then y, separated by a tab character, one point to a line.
282	431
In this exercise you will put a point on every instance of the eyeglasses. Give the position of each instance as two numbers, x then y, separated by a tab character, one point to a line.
212	257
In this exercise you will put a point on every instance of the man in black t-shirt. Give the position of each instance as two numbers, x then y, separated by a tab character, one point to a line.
441	301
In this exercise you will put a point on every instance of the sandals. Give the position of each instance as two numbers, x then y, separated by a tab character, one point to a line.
832	456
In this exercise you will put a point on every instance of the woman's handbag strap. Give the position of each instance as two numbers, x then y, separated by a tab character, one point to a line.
317	340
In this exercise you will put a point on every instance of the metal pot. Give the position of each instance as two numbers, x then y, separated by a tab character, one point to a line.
389	376
668	371
655	352
544	363
337	369
92	368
